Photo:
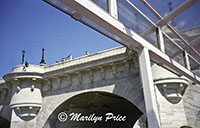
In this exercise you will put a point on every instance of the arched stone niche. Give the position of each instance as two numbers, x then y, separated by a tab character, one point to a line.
94	109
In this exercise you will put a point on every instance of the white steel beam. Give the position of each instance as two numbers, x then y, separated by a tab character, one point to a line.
148	30
148	89
182	39
89	10
160	39
178	46
112	8
151	9
195	41
186	60
192	43
176	12
197	62
141	12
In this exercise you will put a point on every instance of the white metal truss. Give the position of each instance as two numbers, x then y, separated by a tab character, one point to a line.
141	13
176	12
112	9
170	16
192	43
146	51
182	39
89	10
161	40
186	60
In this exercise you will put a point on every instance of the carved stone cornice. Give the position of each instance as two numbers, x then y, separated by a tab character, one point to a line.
86	62
22	75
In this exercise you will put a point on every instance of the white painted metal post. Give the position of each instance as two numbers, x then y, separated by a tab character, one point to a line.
112	8
148	89
160	40
186	60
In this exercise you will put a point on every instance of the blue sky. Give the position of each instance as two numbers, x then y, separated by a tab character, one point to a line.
33	24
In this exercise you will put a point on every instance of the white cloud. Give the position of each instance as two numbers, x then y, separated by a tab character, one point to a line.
181	24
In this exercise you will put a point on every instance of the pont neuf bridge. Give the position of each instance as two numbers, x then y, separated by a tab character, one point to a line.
103	89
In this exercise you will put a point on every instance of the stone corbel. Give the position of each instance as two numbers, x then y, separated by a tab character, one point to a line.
32	87
48	86
79	75
130	53
18	88
165	89
58	81
181	89
55	82
127	66
90	72
15	82
114	70
34	79
102	72
69	78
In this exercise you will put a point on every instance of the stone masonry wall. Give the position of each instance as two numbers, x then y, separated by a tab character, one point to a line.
192	105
